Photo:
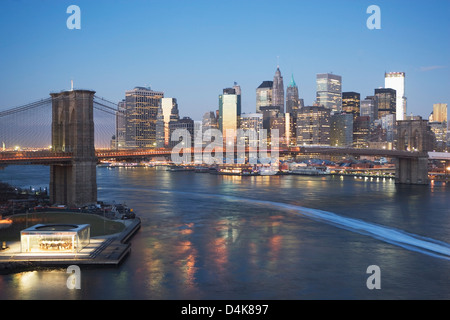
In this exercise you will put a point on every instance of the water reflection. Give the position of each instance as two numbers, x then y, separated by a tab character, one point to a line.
197	242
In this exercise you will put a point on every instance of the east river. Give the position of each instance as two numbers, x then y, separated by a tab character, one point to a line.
207	236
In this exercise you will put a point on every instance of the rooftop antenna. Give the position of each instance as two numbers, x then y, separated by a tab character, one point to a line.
71	85
278	61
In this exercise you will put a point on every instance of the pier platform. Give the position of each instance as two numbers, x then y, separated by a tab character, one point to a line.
108	250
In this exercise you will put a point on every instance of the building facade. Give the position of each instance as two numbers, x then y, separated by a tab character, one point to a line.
142	106
386	101
264	95
396	81
292	97
341	130
168	111
329	91
278	90
313	126
369	107
351	103
229	112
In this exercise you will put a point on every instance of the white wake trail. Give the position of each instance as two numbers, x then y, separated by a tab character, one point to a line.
394	236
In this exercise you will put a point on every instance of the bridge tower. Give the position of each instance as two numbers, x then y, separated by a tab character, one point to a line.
413	135
74	184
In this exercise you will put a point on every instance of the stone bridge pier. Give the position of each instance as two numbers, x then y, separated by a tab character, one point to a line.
73	184
412	170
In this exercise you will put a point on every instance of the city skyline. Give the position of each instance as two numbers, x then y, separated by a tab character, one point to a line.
199	52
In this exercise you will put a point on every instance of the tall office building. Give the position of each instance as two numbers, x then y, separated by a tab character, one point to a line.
166	112
329	91
141	114
386	101
209	121
313	126
229	111
251	122
396	81
185	123
361	132
439	112
278	90
438	123
121	125
351	103
264	95
292	97
369	107
341	130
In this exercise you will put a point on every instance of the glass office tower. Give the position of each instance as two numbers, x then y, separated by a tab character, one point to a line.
329	91
396	81
229	111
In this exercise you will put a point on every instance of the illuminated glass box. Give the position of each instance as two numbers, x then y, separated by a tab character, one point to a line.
48	238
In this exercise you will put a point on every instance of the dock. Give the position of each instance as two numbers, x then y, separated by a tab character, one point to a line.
108	250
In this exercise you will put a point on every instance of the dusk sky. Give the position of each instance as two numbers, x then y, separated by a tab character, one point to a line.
191	50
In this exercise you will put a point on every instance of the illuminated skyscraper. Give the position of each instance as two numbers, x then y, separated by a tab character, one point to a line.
292	98
396	81
264	95
351	103
278	90
141	113
229	111
329	91
386	101
167	111
341	130
439	112
313	126
369	107
121	125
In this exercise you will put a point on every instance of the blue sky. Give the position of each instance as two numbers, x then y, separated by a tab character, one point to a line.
193	49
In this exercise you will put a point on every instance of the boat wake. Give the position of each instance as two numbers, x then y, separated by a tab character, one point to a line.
410	241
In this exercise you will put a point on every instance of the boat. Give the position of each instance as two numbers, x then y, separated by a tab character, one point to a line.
180	168
201	169
267	171
310	170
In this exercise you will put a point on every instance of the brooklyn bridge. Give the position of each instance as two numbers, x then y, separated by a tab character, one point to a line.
71	131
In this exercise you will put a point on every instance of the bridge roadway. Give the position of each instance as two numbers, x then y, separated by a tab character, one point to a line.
49	157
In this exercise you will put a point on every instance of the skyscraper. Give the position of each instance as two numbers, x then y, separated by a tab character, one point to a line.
121	125
167	111
251	122
278	90
264	95
141	112
440	112
329	91
292	98
229	111
369	107
341	130
386	101
184	124
313	126
351	103
396	81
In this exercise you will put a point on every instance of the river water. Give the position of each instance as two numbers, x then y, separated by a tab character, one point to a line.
207	236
